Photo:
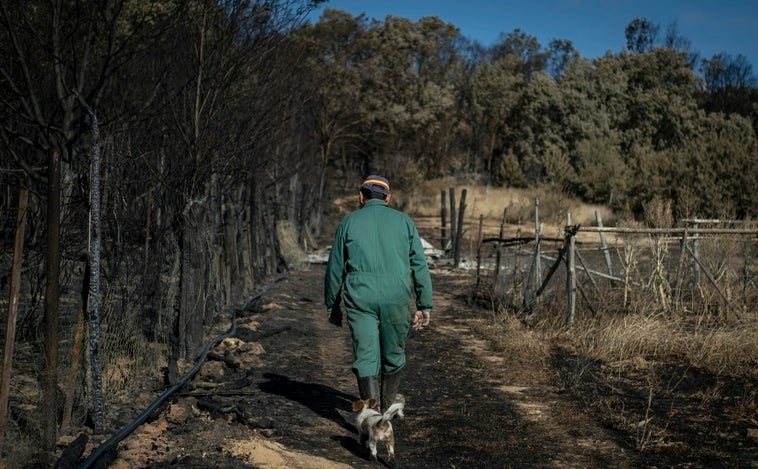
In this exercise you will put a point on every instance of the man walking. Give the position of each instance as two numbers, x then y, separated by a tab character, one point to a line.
378	262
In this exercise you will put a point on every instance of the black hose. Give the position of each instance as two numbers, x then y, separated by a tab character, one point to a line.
140	419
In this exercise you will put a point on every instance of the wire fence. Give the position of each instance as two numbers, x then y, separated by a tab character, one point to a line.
705	268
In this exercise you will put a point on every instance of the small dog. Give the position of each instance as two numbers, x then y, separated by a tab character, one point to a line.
373	426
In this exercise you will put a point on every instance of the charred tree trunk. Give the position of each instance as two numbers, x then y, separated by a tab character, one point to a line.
274	260
231	251
52	295
10	332
192	289
76	354
93	297
257	245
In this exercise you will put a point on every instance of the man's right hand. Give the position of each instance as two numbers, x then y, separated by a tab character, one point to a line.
335	317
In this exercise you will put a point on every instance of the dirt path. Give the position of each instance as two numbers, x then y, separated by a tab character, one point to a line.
466	407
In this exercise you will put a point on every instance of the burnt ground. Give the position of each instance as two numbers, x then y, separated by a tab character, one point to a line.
278	395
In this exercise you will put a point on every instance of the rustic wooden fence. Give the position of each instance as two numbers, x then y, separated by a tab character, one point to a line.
701	266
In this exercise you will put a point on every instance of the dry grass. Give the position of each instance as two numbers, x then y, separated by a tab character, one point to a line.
724	350
492	203
661	378
662	382
719	349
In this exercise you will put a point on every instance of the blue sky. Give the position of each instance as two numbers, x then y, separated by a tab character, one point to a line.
594	26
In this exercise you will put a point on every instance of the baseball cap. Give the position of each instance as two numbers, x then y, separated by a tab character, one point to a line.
377	183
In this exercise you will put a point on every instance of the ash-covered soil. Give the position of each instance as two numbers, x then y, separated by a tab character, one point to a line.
278	395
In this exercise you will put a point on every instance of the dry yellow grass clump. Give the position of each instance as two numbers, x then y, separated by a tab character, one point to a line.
723	349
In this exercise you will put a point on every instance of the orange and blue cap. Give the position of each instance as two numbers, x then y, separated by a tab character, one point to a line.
376	183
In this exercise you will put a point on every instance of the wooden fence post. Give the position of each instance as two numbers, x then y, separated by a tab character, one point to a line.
443	221
534	278
537	247
570	270
604	247
479	253
498	251
678	279
10	331
459	230
696	258
453	224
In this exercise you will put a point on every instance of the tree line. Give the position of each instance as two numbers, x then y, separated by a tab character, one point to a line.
653	121
218	124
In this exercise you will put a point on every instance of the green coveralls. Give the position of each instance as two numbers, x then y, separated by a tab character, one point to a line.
378	260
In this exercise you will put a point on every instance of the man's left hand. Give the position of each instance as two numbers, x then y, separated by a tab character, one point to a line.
421	319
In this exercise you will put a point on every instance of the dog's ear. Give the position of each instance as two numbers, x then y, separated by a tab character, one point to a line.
372	404
358	405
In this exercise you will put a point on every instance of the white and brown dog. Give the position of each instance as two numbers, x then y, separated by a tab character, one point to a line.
373	426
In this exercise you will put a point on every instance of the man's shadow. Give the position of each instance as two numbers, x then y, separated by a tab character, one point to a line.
323	400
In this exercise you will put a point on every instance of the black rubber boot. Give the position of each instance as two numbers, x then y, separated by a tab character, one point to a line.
390	386
369	387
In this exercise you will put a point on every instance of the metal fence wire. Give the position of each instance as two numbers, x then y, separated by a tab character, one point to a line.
697	270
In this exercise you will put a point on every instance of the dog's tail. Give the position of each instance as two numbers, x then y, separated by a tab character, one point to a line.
392	411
